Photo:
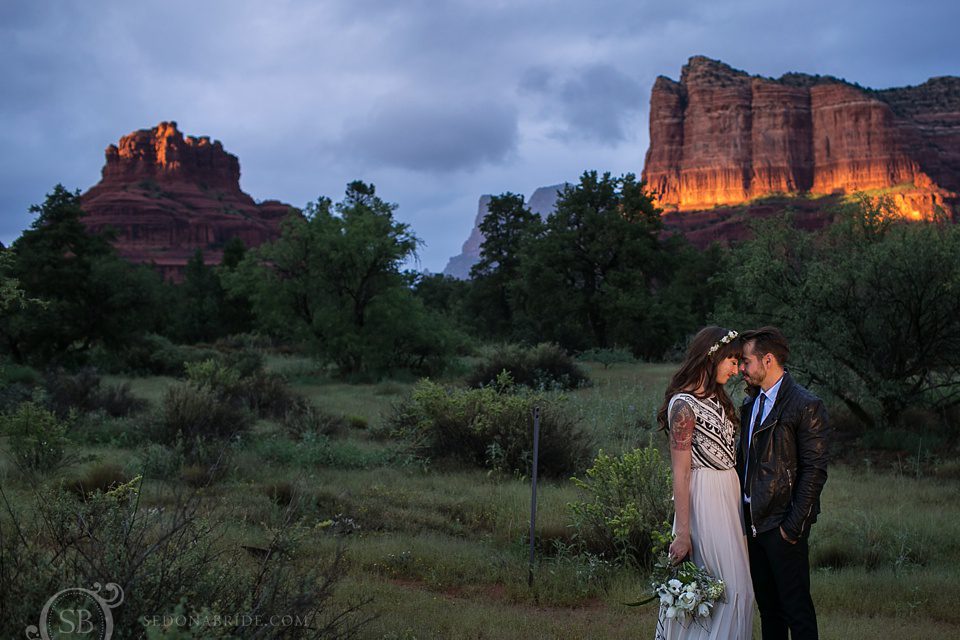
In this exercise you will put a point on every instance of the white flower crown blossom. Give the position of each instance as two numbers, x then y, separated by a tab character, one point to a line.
724	340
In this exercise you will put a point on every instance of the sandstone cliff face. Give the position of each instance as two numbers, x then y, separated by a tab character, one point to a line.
541	202
459	265
722	137
166	195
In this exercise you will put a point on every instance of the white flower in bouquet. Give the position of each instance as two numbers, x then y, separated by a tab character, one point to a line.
684	591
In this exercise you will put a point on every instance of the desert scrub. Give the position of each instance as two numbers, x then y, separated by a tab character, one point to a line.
241	379
188	411
545	366
37	438
305	419
83	392
490	427
169	556
627	499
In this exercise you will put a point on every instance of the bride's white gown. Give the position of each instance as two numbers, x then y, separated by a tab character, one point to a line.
716	528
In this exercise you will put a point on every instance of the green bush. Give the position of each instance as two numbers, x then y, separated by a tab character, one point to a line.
82	391
69	391
157	461
243	380
304	418
103	477
11	395
246	362
357	422
245	342
18	374
37	437
490	427
199	421
118	400
543	367
627	499
156	355
97	427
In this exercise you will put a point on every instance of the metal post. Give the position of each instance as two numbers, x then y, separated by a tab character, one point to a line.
533	500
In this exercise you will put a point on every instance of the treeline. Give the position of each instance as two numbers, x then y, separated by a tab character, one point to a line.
332	285
598	273
871	304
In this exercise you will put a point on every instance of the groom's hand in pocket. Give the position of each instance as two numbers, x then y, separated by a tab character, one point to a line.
783	534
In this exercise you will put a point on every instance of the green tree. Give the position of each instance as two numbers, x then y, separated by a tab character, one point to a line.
10	291
591	278
233	253
334	280
91	297
236	310
445	295
871	306
507	228
198	312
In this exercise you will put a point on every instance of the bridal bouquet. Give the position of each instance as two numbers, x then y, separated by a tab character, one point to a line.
686	590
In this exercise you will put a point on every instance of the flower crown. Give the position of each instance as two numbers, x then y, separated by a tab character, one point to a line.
724	340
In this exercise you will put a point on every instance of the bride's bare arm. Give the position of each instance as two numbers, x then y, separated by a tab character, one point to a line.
682	423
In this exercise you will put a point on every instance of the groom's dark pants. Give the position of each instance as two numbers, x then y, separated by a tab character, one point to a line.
781	584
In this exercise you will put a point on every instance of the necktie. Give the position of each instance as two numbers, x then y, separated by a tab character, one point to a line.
756	425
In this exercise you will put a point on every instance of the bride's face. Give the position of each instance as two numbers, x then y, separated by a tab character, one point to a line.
726	369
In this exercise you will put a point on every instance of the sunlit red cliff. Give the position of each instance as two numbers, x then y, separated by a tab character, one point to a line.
722	137
166	195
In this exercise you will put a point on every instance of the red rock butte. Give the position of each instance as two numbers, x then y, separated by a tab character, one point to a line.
721	137
166	195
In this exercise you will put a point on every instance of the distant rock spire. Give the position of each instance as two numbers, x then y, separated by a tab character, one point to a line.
542	202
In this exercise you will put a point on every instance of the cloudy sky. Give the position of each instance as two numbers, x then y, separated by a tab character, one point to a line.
434	101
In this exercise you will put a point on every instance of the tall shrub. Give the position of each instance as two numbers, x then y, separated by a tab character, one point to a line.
490	427
626	499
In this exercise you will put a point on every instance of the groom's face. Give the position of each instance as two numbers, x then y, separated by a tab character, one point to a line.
752	366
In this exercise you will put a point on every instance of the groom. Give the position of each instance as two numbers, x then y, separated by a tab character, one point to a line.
782	462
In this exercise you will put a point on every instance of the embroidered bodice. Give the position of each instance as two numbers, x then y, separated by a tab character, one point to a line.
714	436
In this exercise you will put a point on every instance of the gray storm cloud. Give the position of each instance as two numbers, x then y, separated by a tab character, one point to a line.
596	102
434	136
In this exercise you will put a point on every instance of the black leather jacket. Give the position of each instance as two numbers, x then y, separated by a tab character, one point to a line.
788	460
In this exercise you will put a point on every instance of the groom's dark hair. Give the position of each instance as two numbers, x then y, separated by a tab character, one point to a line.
768	340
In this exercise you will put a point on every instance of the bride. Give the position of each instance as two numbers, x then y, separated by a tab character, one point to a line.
708	524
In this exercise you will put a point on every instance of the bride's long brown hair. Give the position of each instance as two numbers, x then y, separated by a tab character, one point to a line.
700	367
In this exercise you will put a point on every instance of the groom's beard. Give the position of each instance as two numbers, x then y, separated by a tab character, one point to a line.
757	377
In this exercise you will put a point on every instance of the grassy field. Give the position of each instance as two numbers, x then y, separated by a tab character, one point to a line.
442	551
